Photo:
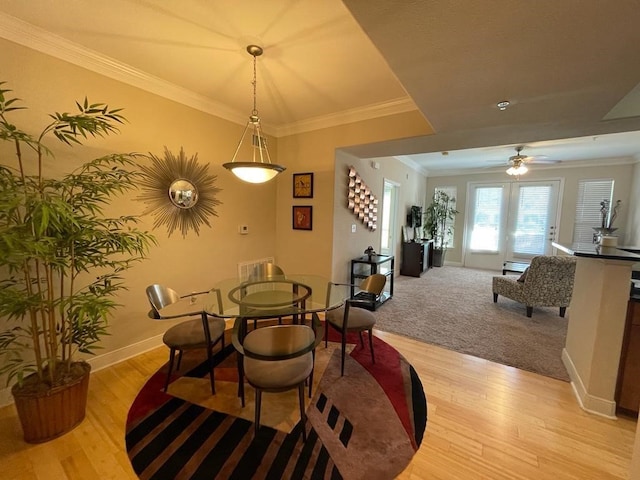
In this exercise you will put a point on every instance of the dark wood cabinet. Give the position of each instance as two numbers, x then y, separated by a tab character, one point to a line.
417	258
628	388
366	265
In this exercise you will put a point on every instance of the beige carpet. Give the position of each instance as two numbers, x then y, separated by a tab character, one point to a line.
453	307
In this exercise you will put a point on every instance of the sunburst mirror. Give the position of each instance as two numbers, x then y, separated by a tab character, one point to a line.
180	193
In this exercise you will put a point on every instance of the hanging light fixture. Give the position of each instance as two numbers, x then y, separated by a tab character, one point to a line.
518	166
260	169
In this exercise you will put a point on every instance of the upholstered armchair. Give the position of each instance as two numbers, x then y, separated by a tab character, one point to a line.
547	282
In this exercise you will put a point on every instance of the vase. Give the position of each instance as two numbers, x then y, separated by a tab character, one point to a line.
602	232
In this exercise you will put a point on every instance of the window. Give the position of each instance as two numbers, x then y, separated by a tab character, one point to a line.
487	218
452	193
532	219
590	194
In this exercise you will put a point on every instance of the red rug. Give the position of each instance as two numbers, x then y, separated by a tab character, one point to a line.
364	425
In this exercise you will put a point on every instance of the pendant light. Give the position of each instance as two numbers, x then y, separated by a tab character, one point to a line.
260	169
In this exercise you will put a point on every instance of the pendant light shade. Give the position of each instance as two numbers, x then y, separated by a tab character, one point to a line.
259	169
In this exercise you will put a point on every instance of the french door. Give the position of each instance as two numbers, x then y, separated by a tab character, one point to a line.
510	221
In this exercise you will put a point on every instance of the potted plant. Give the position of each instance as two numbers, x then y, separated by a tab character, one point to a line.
437	214
61	261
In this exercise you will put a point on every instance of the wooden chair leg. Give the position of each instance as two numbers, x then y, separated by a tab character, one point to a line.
303	416
172	356
361	340
529	311
258	406
373	358
563	310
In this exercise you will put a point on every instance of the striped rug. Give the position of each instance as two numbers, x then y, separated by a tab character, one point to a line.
364	425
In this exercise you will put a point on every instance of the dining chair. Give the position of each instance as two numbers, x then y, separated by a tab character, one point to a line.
353	318
203	333
278	358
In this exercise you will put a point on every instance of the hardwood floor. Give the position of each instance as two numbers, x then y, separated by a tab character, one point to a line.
486	421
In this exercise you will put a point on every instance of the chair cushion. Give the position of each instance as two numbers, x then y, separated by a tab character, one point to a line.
359	318
278	374
190	334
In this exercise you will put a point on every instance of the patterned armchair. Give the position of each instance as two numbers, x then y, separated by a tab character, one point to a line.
547	282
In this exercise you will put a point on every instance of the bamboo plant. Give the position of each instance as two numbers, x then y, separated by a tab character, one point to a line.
61	258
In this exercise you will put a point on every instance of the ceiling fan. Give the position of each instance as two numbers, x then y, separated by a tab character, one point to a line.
518	162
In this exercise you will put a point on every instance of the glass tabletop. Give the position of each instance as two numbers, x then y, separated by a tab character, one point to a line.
289	295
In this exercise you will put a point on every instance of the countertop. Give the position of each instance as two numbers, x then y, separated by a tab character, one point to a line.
592	250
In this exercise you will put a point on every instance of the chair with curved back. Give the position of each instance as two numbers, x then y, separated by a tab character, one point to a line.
202	333
278	358
547	282
353	318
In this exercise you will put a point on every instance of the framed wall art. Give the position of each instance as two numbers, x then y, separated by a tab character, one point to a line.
302	217
303	185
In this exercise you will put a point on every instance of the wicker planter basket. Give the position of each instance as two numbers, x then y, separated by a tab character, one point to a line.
47	414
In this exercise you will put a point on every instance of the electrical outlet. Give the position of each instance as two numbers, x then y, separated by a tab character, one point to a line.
353	228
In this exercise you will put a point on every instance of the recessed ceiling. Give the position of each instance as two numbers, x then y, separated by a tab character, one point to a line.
569	69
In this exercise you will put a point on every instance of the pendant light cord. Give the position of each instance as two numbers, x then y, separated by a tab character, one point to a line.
255	83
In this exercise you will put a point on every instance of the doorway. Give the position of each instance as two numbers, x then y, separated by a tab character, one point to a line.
512	221
388	220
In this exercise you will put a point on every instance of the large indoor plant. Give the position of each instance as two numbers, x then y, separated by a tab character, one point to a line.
61	261
437	226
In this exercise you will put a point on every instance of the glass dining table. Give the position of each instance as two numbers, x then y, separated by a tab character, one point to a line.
299	297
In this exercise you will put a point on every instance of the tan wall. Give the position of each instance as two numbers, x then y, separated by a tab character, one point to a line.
187	264
196	262
348	245
299	250
621	174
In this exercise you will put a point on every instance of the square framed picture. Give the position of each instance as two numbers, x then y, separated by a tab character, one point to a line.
302	217
303	185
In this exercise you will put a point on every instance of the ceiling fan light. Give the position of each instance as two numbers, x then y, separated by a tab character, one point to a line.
517	170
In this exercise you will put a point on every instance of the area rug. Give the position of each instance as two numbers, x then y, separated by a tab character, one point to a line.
453	307
365	425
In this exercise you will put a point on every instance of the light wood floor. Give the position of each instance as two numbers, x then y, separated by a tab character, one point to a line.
486	421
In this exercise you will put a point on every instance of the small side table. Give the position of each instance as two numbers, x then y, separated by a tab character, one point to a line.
514	267
364	266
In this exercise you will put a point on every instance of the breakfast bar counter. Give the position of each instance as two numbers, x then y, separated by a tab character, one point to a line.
597	315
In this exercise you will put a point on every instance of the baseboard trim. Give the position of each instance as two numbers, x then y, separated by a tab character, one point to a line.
102	361
589	403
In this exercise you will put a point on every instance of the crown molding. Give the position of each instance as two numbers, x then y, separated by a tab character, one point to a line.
40	40
391	107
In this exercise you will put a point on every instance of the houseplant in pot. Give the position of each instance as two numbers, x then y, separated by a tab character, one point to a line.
436	216
61	262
